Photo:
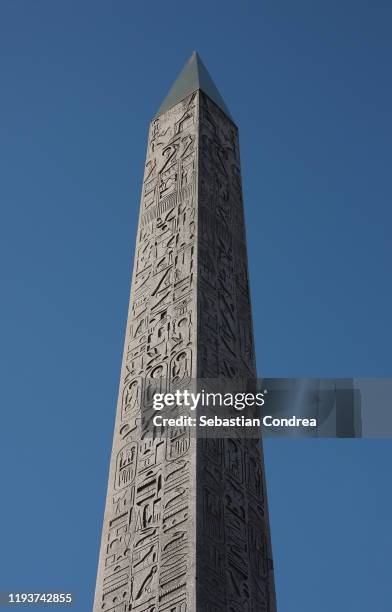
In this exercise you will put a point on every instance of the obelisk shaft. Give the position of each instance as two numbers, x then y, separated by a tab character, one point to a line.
186	523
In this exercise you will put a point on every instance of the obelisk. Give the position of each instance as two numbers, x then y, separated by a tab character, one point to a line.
186	522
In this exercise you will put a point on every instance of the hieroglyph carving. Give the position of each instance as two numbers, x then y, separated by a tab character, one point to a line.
186	526
145	553
233	542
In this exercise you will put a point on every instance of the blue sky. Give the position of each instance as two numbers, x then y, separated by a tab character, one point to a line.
309	86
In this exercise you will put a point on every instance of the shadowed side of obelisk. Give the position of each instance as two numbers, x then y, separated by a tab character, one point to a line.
234	561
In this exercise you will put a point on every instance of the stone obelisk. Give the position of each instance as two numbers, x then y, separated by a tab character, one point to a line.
186	522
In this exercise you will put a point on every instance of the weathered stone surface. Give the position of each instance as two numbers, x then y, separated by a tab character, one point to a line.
186	525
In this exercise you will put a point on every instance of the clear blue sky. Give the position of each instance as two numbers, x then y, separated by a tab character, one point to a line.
309	85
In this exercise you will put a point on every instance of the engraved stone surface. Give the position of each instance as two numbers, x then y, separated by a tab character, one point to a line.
186	520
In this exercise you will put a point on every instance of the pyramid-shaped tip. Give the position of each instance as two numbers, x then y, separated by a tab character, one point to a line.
192	77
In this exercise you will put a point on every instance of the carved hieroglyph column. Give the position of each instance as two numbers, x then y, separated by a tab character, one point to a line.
186	522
